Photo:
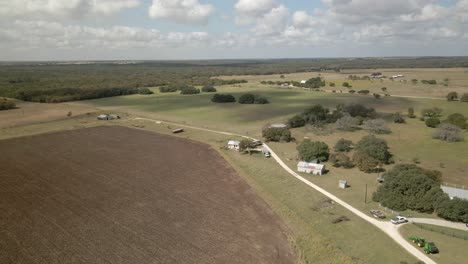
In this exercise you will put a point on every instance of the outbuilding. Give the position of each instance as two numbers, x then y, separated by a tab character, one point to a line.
233	144
455	192
278	126
311	167
303	82
103	117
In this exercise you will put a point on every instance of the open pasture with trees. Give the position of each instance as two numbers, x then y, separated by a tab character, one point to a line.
120	195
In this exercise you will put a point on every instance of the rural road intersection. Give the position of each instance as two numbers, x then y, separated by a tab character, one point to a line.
387	227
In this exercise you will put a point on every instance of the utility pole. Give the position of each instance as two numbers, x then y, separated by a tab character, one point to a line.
365	197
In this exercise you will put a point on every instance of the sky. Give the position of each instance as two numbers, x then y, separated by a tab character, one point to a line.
230	29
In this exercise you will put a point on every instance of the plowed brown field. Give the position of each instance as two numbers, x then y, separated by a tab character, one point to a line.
120	195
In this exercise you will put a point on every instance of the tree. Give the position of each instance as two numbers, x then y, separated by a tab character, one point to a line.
261	100
316	82
346	84
360	110
448	132
464	98
189	90
384	89
351	91
346	123
244	144
456	119
276	134
223	98
411	112
429	82
365	162
6	104
247	99
429	112
296	121
208	89
363	92
341	160
374	147
398	118
414	81
377	126
432	122
408	186
343	145
332	84
452	96
309	150
316	115
377	96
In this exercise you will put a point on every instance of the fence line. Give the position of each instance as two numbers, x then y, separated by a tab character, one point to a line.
452	233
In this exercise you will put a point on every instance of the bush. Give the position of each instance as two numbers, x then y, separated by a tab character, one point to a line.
456	119
332	84
296	121
316	115
453	210
208	89
223	98
352	91
432	122
261	100
346	123
411	113
452	96
377	96
365	162
429	112
309	150
360	110
144	91
398	118
346	84
448	132
341	160
343	145
189	90
363	92
374	147
277	134
408	186
252	99
168	89
6	104
429	81
464	98
316	82
377	126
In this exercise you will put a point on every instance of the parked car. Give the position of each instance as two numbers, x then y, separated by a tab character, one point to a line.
377	214
399	220
267	154
256	143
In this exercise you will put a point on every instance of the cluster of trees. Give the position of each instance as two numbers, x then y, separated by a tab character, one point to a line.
408	186
189	90
453	96
313	150
318	115
223	98
356	77
249	98
450	129
6	104
276	134
370	152
312	83
208	89
75	94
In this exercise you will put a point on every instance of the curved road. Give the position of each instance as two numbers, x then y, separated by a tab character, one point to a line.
387	227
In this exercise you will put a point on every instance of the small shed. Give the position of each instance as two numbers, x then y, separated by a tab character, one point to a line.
278	126
343	184
309	167
233	144
113	117
303	81
178	130
455	192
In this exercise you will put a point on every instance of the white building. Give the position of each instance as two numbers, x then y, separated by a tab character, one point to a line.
233	144
455	192
309	167
303	81
278	126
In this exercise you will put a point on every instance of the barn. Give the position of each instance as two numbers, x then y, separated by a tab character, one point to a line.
310	167
233	144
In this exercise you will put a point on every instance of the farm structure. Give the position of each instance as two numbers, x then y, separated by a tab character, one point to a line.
278	126
310	167
233	144
108	117
124	199
455	192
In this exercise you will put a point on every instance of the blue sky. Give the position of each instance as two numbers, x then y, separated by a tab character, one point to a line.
214	29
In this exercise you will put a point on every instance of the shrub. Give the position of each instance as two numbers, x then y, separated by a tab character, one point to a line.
316	82
452	96
341	160
414	81
432	122
346	84
429	81
365	162
408	186
332	84
276	134
352	91
377	126
6	104
384	89
261	100
316	115
398	118
145	91
247	99
448	132
189	90
411	112
359	110
168	89
343	145
456	119
428	112
223	98
363	92
346	123
296	121
464	98
208	89
309	150
377	96
374	147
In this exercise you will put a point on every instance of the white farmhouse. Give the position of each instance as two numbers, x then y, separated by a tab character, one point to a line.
233	144
310	167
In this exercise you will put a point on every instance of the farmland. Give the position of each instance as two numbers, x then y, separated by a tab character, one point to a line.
119	195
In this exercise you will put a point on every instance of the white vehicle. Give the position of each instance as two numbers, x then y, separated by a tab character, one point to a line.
399	220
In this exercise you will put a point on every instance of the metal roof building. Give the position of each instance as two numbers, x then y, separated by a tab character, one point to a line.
455	192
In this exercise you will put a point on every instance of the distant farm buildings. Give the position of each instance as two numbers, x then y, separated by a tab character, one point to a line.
455	192
397	76
108	117
233	144
311	167
278	126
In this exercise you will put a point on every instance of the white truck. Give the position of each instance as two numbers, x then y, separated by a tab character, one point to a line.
399	220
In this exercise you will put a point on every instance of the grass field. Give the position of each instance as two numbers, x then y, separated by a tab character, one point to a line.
452	249
120	195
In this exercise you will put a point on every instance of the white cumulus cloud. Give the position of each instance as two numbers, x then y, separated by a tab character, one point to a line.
181	11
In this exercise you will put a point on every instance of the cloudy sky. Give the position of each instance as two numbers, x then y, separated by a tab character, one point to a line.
212	29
